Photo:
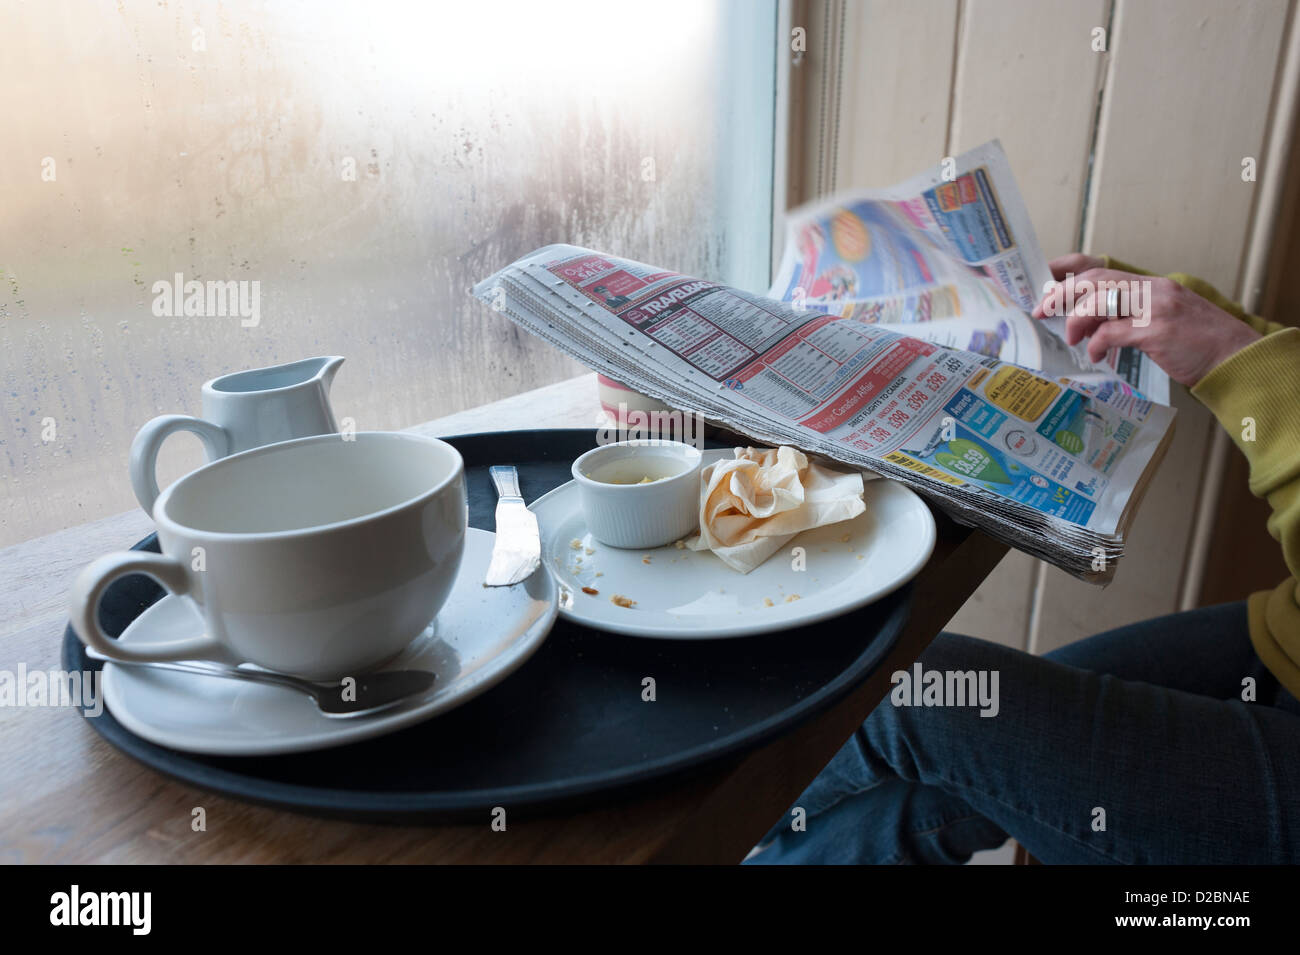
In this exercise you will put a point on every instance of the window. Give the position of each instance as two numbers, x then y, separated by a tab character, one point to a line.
360	165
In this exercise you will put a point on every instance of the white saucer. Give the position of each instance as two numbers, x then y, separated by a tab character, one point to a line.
692	595
481	635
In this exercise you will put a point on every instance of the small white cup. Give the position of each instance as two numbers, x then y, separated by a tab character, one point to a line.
622	512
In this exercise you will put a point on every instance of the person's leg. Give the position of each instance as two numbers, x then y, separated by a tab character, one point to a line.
1205	651
1171	774
859	811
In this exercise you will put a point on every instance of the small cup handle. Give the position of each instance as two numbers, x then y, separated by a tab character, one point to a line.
95	578
144	451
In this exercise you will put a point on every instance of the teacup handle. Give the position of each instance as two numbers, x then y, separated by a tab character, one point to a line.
94	579
144	451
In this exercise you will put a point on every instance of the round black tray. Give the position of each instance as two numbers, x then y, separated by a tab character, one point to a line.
570	726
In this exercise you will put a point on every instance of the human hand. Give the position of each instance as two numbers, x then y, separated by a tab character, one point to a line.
1180	331
1076	263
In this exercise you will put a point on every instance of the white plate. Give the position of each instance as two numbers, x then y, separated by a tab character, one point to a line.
481	635
692	595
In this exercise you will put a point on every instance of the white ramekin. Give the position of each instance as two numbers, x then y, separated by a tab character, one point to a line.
640	515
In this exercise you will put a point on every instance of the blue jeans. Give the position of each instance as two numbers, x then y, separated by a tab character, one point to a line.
1133	746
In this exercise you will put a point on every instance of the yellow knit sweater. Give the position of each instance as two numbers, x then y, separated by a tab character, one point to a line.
1255	394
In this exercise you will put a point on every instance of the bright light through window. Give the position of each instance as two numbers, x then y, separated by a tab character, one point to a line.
364	163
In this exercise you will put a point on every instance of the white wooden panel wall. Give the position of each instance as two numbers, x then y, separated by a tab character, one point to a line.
1185	89
1027	74
896	91
1188	95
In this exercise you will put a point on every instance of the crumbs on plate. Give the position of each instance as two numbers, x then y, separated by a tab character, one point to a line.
590	590
619	600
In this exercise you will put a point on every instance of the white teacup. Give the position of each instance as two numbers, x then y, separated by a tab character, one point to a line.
320	557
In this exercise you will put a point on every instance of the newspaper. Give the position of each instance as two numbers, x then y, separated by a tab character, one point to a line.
951	255
1050	464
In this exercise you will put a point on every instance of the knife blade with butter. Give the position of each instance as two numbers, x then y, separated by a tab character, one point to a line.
518	547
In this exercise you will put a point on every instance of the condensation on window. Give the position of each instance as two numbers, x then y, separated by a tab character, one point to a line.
360	165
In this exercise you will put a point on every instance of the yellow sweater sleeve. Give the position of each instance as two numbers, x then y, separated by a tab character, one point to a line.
1255	395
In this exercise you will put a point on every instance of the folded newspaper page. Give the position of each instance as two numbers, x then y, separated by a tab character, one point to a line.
952	256
1048	463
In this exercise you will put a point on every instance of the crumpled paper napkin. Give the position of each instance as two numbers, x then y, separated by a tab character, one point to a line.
752	505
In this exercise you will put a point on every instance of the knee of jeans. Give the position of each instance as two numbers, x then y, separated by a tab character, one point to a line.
910	740
914	740
888	733
852	770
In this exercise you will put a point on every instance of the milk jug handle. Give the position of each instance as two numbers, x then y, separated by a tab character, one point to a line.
145	447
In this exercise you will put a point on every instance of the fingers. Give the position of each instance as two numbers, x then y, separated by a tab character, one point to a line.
1062	266
1078	327
1084	302
1082	293
1099	274
1075	262
1112	333
1088	314
1078	295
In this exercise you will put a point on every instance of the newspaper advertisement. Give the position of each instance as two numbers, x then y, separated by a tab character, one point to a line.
950	255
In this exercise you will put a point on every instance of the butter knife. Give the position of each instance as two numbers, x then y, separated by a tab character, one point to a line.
518	548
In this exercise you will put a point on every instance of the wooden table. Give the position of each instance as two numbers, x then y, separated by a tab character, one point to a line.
67	796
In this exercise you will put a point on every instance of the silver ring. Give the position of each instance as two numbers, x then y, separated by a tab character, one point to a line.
1112	303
